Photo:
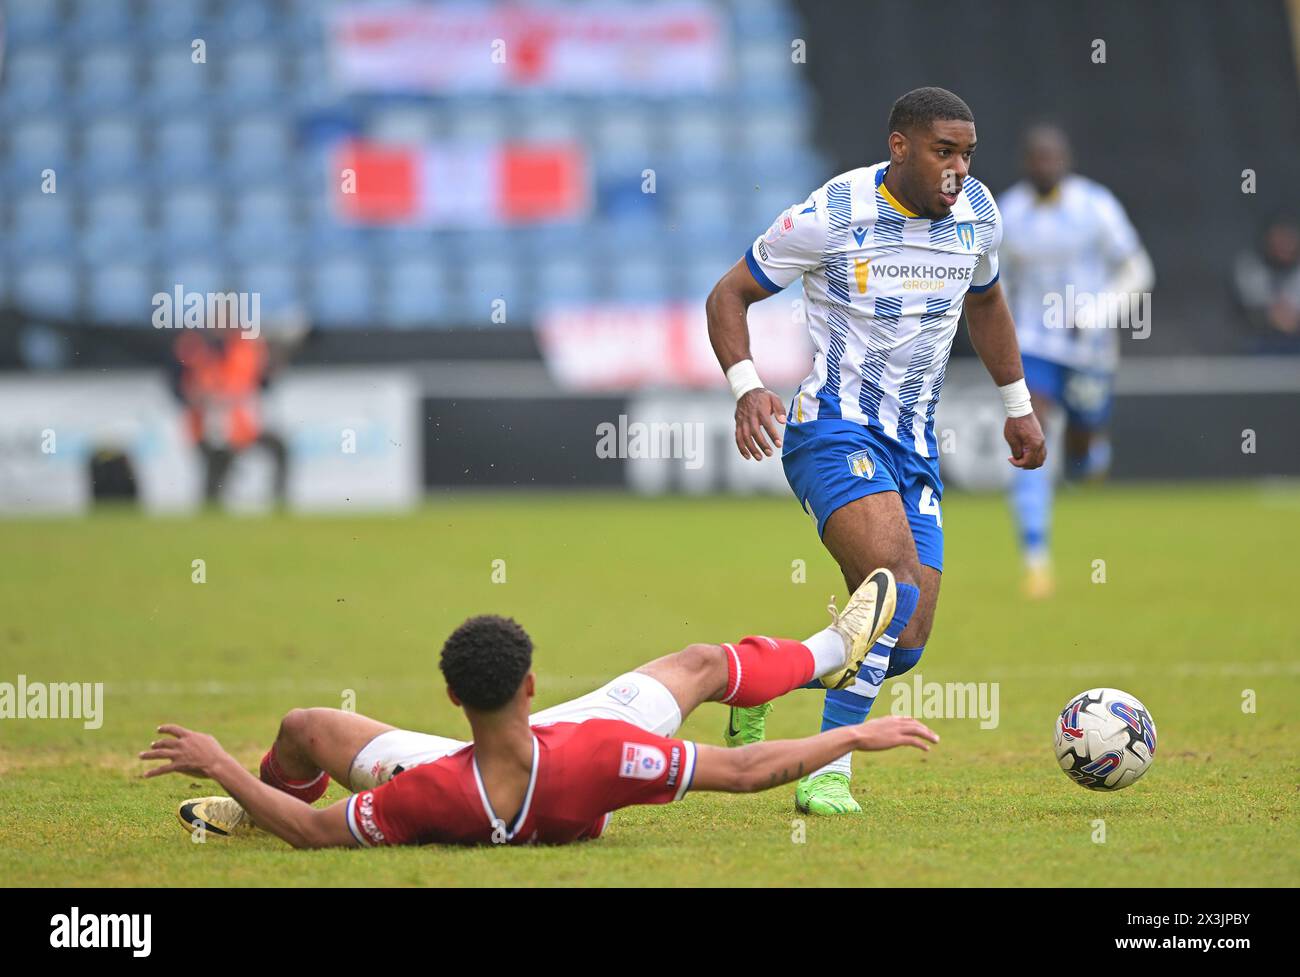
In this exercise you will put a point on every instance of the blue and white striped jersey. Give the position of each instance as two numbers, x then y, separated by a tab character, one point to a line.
883	290
1059	252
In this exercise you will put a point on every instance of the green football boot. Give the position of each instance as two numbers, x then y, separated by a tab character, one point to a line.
746	725
826	793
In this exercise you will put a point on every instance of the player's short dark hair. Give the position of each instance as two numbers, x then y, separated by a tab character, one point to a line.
921	107
485	660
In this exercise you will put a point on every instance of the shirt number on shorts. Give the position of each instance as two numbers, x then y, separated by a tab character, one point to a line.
930	505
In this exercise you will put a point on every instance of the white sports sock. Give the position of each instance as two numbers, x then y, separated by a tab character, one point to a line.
843	765
829	651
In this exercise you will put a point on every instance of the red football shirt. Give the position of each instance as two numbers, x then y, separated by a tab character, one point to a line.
582	772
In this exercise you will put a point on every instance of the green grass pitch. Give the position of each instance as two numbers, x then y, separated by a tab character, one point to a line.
1198	606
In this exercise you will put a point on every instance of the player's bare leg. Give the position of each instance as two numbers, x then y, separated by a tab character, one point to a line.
758	669
1031	502
320	740
312	746
869	532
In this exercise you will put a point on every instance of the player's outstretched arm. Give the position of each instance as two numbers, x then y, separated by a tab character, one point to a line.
759	766
993	334
726	310
298	823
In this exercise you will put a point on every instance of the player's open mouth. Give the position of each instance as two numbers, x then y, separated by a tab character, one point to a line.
948	198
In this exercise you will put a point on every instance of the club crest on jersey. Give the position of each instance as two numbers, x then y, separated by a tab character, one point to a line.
623	693
861	464
966	235
641	762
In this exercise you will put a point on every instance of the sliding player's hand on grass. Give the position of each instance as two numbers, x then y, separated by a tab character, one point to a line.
891	731
1025	437
190	753
755	425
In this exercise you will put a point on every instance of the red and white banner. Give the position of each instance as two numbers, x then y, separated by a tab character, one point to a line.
597	48
616	347
454	186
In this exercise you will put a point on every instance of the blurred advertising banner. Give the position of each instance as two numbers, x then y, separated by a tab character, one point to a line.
461	186
353	442
630	347
595	48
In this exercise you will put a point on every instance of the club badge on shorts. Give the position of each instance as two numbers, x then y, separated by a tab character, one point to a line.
860	464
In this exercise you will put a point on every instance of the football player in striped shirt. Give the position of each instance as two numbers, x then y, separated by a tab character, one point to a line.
1074	266
890	255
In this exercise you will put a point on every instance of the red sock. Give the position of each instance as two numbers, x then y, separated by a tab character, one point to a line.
761	669
308	790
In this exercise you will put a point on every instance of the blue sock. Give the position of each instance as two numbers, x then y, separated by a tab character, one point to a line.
847	707
1031	501
903	660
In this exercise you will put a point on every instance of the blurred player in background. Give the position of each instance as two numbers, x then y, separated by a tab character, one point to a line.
220	375
552	777
890	255
1065	236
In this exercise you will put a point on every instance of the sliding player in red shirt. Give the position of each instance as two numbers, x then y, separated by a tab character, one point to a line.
552	777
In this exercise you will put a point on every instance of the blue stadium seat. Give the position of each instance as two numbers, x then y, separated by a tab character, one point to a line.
97	21
178	20
36	145
27	21
121	293
564	279
257	147
110	149
184	151
476	120
639	279
107	79
190	220
176	84
264	224
701	207
245	21
486	279
342	292
623	128
34	79
200	273
116	227
47	286
414	293
698	133
43	225
276	282
252	78
764	66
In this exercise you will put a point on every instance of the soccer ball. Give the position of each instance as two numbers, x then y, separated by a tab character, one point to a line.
1105	739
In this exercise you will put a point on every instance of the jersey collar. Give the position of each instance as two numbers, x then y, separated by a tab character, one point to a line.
889	197
522	816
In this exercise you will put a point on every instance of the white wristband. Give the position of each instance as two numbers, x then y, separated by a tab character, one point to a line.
1015	397
743	378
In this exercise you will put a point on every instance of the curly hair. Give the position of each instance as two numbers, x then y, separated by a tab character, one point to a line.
485	660
922	106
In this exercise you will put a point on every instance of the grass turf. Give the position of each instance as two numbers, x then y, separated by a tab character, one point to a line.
1196	609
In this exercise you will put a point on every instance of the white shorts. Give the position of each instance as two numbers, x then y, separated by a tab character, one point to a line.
633	698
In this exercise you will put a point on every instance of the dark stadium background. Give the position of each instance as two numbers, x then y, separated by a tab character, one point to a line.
220	178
